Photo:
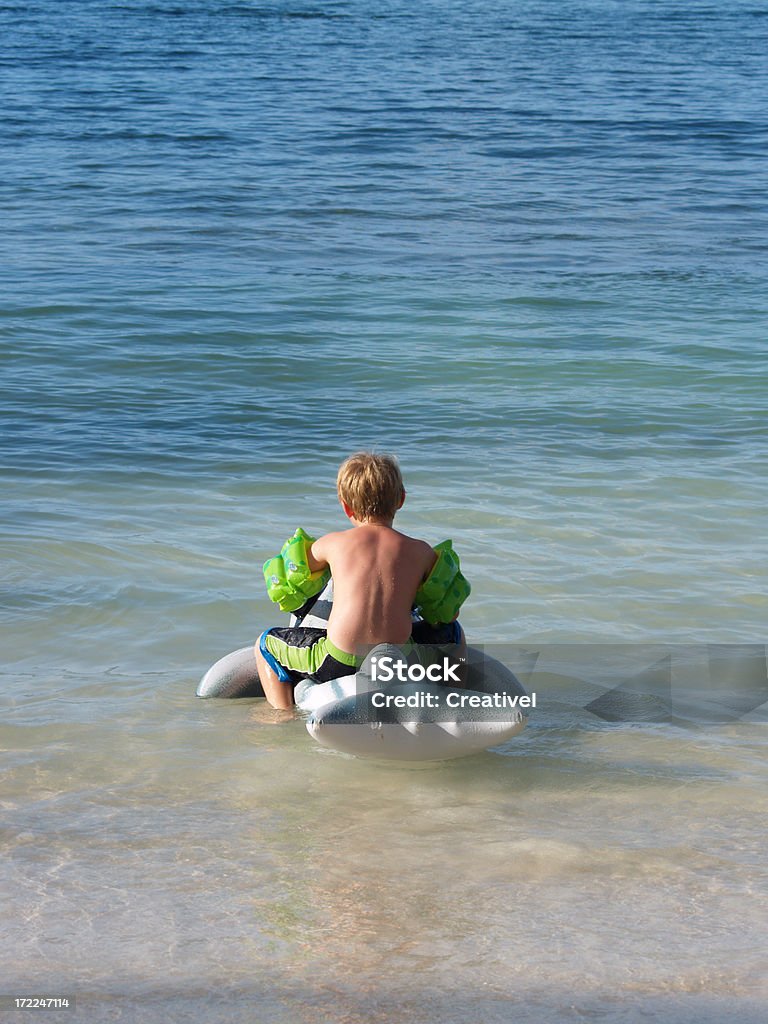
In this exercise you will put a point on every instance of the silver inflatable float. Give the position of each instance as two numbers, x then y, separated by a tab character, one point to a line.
401	720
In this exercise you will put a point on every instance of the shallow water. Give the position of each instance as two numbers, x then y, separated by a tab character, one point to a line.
521	245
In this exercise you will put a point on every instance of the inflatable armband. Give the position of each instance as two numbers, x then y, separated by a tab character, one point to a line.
290	583
445	590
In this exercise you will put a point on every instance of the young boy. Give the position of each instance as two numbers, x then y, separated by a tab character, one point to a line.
379	574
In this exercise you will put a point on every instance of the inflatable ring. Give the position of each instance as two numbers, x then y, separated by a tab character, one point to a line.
419	722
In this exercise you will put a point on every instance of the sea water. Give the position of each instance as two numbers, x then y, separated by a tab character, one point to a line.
520	244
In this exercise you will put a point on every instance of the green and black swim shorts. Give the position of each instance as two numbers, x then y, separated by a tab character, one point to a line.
296	652
300	652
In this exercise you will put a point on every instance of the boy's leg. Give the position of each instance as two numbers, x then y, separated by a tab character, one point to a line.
278	694
285	654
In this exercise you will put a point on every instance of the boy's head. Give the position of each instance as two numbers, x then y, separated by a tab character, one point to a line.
370	486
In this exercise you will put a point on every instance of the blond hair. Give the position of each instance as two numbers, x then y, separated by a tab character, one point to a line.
371	485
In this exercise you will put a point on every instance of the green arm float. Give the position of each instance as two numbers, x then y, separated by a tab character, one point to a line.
290	583
445	590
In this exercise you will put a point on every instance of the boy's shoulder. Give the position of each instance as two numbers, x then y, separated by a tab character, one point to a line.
333	536
329	542
355	535
418	542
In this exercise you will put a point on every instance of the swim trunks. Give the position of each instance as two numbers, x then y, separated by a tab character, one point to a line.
296	652
424	633
301	652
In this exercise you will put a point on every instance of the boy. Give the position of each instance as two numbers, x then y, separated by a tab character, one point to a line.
378	575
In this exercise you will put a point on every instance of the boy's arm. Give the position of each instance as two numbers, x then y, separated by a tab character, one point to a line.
430	559
445	589
317	554
295	575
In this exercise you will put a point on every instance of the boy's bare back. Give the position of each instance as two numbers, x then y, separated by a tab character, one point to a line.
376	572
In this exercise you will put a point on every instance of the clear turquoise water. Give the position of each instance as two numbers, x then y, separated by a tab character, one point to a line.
522	245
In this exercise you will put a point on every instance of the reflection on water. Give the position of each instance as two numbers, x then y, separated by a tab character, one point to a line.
227	854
